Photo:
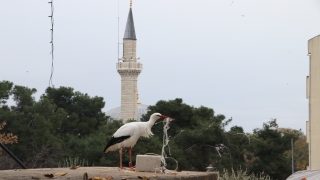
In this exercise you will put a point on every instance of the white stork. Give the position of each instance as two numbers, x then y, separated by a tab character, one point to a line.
128	134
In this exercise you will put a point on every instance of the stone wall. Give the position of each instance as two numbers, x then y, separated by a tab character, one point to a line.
129	48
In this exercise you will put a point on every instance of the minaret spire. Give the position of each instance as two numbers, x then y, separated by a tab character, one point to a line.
130	32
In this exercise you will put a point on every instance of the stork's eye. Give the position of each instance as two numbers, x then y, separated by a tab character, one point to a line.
158	115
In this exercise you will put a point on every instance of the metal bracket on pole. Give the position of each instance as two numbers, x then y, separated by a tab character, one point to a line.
13	156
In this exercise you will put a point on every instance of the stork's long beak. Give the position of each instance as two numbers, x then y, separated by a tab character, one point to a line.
163	116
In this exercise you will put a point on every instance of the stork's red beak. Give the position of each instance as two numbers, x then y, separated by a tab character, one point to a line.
163	116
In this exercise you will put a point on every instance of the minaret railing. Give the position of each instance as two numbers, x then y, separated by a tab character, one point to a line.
129	65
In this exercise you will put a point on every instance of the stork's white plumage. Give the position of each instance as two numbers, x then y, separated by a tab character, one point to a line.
128	135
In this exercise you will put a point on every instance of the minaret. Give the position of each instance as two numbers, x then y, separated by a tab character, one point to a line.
129	70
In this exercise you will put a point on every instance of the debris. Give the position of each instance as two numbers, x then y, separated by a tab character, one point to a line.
49	175
60	174
36	178
165	143
99	178
144	177
74	167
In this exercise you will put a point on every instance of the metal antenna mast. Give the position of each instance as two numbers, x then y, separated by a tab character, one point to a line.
118	29
52	46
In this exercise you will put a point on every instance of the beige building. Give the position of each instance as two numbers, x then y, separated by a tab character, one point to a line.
313	94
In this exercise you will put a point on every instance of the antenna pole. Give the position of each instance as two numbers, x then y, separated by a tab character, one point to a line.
118	29
52	46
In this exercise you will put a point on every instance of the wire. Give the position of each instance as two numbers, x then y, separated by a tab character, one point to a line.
52	46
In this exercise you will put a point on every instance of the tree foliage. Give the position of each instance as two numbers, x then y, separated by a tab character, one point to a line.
5	90
195	133
48	128
83	112
271	150
67	124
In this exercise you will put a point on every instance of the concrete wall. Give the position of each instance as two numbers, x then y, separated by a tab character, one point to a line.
15	174
314	101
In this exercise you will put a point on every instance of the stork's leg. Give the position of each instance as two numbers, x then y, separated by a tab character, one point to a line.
120	154
130	163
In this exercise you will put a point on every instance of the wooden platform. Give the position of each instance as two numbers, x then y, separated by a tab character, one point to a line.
101	172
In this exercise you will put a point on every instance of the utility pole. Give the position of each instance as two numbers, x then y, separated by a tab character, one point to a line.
292	156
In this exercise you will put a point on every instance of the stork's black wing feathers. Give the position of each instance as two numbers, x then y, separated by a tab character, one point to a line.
115	140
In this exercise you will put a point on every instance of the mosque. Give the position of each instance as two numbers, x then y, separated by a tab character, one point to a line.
129	69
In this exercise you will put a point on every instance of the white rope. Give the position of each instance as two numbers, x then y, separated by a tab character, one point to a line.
165	141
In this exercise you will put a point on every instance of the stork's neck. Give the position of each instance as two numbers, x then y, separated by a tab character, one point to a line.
152	121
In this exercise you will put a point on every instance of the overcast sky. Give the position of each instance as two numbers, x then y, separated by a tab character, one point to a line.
246	59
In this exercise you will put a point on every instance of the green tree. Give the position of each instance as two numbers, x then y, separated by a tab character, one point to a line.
66	123
239	143
86	129
5	89
63	123
23	96
36	124
197	134
84	112
270	150
301	156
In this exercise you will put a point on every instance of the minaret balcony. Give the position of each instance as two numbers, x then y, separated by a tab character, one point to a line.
129	65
